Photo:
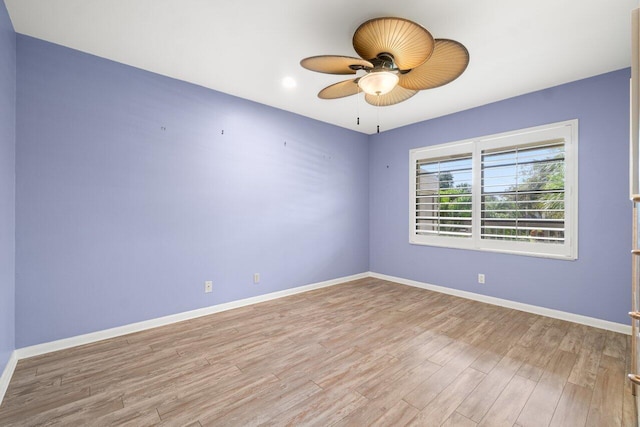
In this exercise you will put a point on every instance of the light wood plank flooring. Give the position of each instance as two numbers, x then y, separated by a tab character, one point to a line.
368	352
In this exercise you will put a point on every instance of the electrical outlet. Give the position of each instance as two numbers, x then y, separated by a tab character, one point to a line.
481	278
208	286
256	278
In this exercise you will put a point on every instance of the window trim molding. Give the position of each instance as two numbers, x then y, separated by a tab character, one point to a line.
474	146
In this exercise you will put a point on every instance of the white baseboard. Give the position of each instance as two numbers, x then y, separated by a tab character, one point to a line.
548	312
7	374
62	344
48	347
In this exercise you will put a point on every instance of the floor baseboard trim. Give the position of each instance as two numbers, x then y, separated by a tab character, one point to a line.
548	312
39	349
7	374
48	347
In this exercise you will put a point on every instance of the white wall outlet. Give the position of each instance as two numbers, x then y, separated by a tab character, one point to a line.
481	278
256	278
208	286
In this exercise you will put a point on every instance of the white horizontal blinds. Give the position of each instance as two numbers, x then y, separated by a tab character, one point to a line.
523	193
443	196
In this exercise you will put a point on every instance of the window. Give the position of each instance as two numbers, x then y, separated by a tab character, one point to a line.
514	192
443	196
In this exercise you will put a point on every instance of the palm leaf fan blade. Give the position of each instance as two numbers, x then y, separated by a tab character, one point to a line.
333	64
340	89
447	63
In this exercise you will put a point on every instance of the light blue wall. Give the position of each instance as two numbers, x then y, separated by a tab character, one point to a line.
598	283
7	185
130	197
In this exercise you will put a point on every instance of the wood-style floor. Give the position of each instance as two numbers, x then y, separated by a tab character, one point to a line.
363	353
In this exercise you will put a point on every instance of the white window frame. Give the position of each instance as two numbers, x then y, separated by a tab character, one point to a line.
567	131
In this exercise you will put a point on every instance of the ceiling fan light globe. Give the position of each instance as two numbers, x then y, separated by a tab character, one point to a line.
378	82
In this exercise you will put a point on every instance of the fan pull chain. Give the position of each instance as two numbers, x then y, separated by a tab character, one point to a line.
358	106
378	112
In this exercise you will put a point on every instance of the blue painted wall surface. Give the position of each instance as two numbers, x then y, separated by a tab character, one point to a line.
130	197
598	283
7	185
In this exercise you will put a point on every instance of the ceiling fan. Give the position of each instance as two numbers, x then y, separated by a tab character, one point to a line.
399	58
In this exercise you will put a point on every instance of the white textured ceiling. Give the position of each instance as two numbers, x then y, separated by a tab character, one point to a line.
246	47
